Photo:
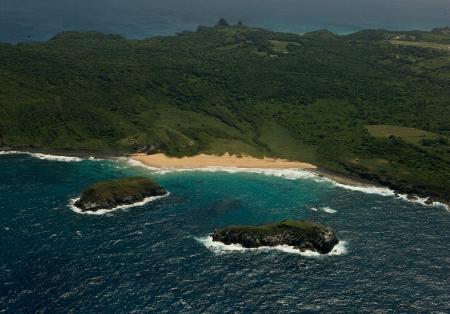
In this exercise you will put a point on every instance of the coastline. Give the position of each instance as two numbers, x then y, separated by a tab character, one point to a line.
164	162
344	179
202	161
205	161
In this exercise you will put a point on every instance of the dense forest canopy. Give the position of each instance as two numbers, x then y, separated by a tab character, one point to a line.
373	104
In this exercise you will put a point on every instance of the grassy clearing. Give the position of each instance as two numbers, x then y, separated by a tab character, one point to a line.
421	44
282	46
281	143
233	146
410	135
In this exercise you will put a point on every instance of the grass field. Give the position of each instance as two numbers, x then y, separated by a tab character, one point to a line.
422	44
282	46
410	135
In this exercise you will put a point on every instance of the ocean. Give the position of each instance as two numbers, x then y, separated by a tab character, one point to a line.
31	20
393	255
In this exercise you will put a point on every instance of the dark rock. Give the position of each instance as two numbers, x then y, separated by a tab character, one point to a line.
302	235
113	193
442	30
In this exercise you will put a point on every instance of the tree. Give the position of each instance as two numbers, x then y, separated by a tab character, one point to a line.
223	23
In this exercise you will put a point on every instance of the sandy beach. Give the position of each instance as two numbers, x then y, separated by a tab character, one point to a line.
226	160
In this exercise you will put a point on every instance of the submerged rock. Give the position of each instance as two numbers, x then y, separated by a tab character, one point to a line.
302	235
113	193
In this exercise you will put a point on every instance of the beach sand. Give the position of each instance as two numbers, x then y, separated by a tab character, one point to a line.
226	160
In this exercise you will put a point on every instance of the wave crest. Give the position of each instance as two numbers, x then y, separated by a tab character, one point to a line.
368	189
291	174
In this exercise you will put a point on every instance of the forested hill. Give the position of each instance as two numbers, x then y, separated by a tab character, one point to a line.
374	104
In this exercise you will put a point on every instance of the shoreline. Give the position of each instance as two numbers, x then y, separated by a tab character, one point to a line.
163	161
345	179
202	161
238	162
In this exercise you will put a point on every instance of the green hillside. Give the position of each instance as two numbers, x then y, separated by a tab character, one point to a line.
237	89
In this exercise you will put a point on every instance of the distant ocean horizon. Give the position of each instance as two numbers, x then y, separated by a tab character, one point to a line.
30	20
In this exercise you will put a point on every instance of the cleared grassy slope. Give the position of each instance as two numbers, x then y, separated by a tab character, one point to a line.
410	135
422	44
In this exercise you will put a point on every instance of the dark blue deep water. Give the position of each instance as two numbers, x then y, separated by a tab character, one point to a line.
150	258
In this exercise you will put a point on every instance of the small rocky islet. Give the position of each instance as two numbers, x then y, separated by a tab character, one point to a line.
301	234
113	193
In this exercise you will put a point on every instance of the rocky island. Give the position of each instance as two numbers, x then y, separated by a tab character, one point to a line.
113	193
302	235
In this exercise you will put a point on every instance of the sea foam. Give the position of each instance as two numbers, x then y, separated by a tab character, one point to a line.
291	174
120	207
220	248
44	156
328	210
368	189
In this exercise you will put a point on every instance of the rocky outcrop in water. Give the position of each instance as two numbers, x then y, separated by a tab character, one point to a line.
113	193
302	235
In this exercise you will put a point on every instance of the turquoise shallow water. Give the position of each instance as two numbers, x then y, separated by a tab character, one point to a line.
150	258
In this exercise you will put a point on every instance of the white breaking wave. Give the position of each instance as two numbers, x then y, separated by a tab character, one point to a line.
291	174
44	156
423	201
134	163
388	192
368	189
221	248
328	210
56	157
441	205
106	211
